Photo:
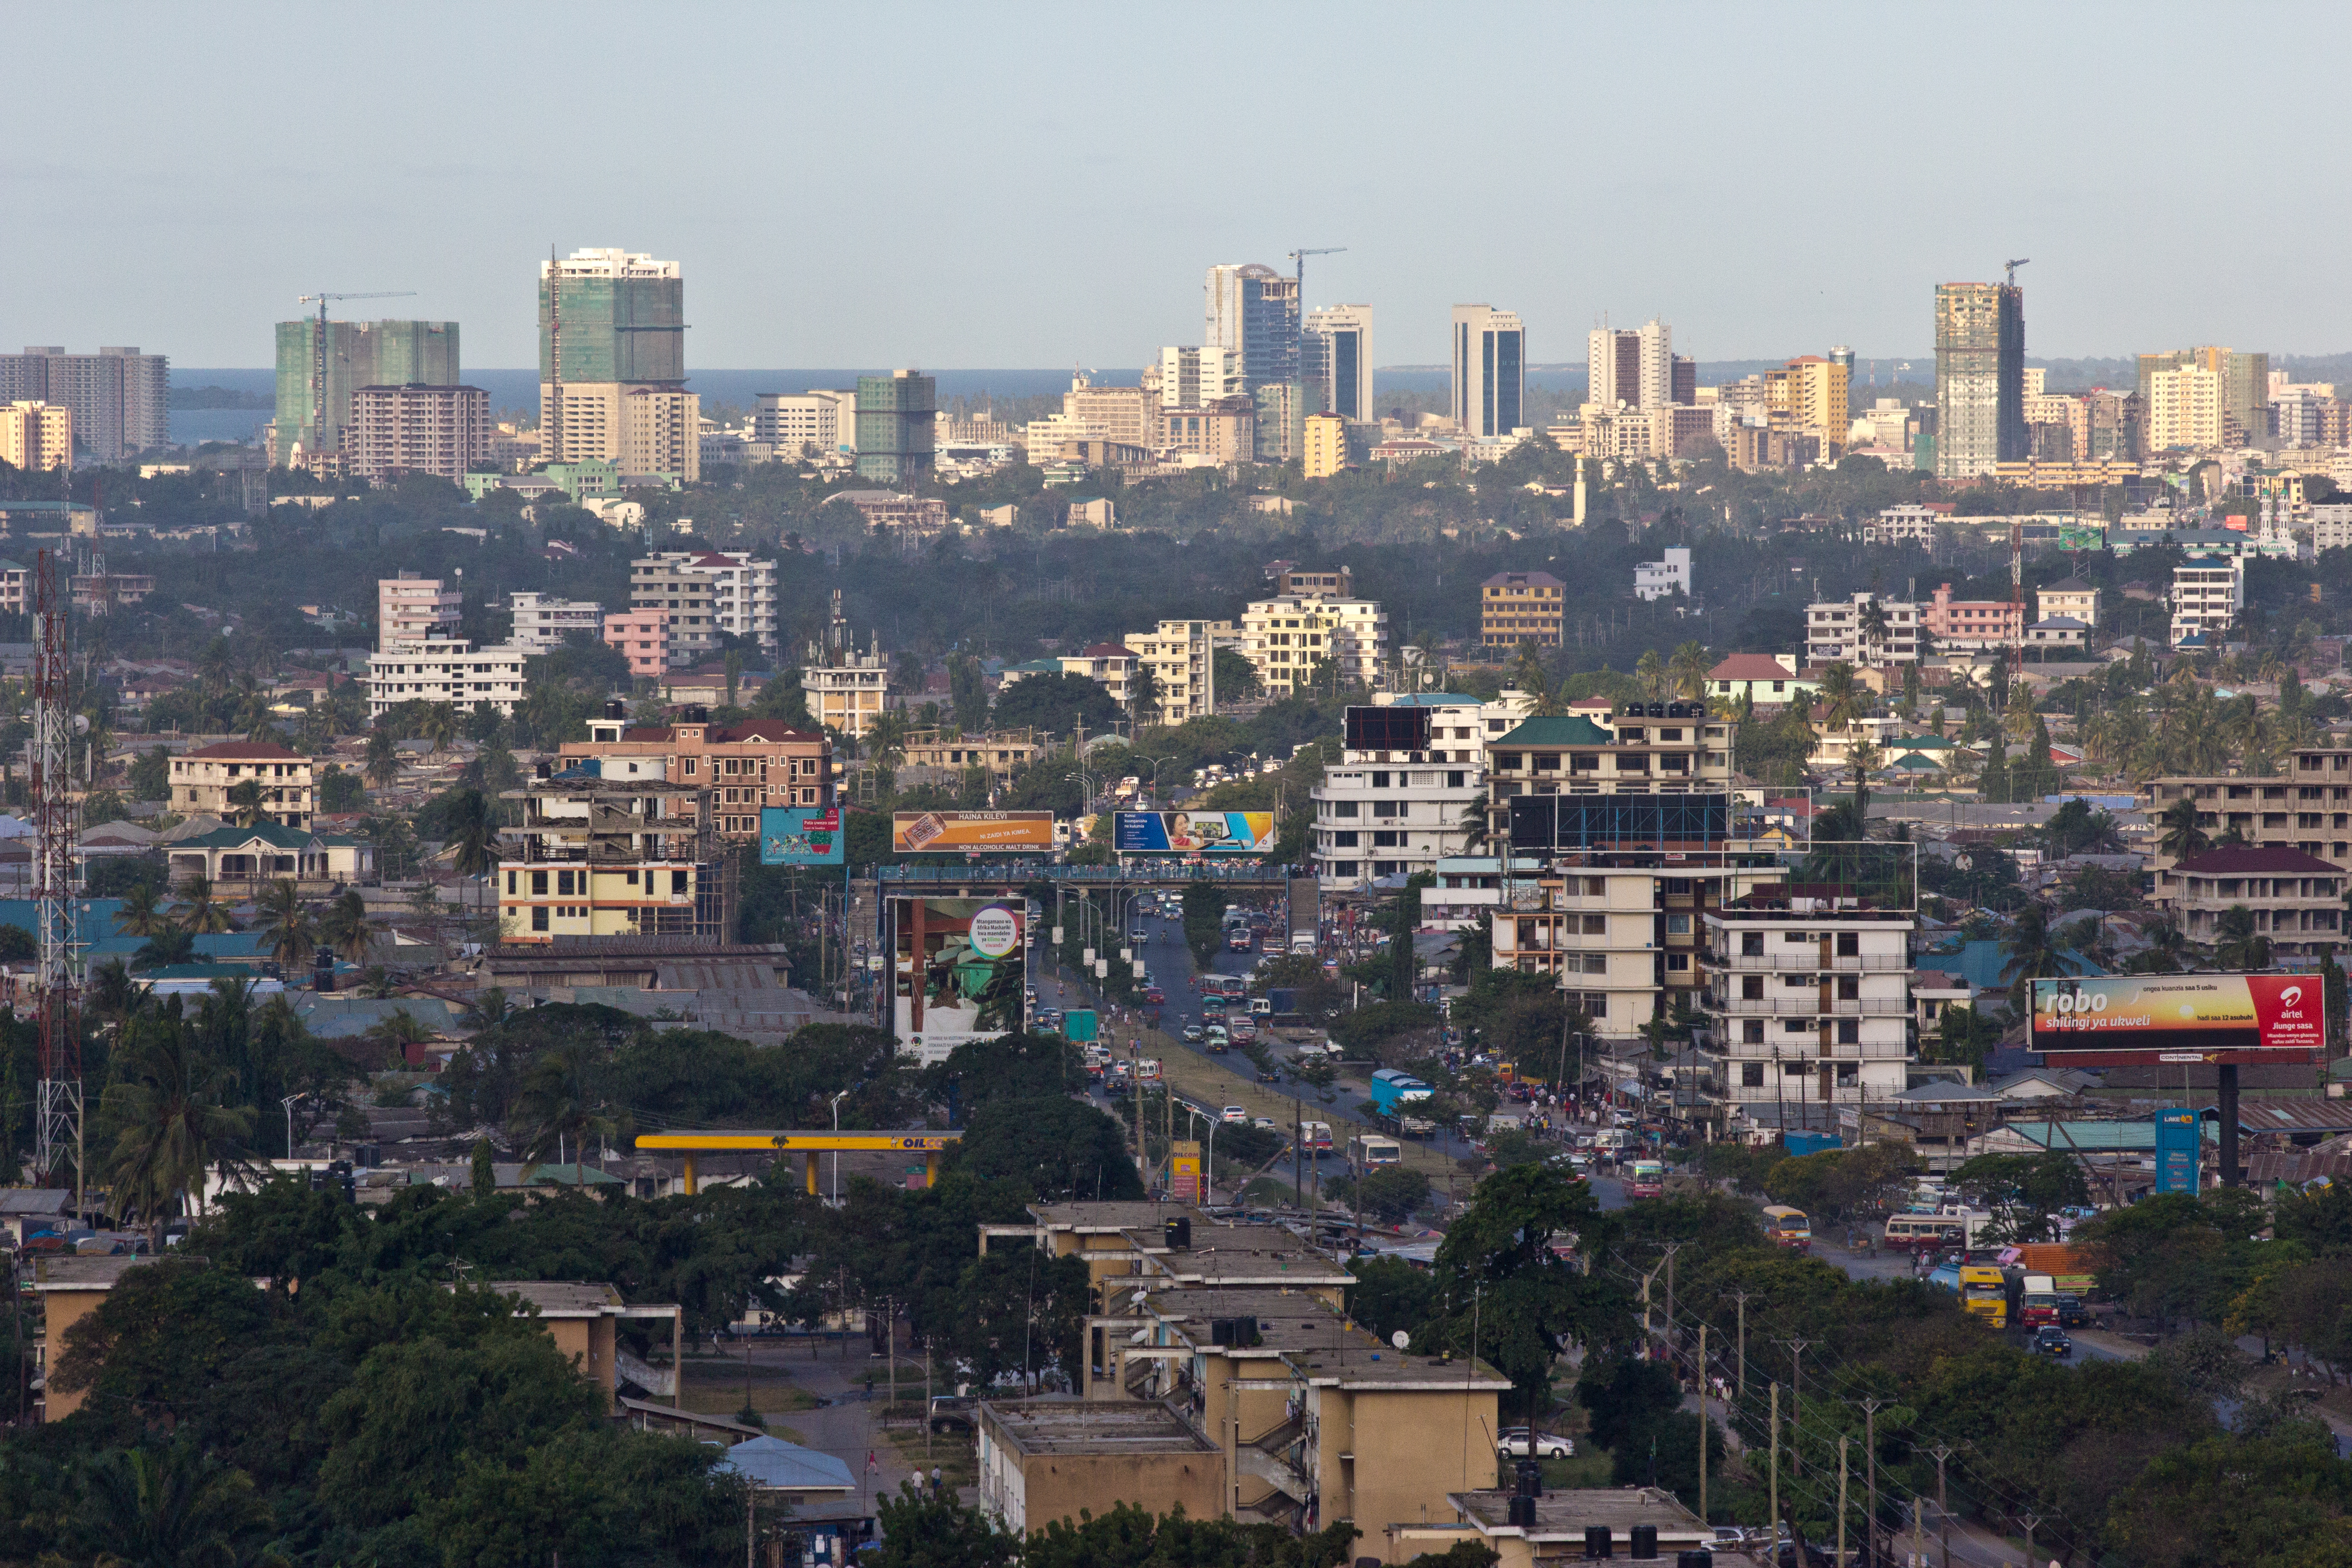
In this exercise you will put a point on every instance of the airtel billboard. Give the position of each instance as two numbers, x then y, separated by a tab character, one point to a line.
2123	1020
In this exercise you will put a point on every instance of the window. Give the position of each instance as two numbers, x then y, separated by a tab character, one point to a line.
1677	961
539	884
1342	807
1380	781
1344	840
1795	1026
1387	808
1678	925
677	883
1751	987
1849	1031
511	882
1849	945
1387	840
1751	944
1596	963
1596	925
1794	936
1455	780
539	917
1507	762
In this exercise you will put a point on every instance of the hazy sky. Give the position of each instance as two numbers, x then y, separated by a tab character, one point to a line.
1042	184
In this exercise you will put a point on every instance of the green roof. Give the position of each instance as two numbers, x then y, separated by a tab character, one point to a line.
1915	763
1930	743
1565	730
276	834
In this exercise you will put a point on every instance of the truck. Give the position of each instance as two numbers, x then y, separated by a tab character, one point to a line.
1079	1025
2033	1299
1392	1088
2074	1270
1984	1293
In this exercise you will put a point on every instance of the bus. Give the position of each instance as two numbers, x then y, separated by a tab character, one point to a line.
1935	1231
1221	985
1367	1151
1315	1137
1647	1179
1785	1226
1391	1089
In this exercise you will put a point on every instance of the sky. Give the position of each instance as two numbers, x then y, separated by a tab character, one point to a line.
1011	185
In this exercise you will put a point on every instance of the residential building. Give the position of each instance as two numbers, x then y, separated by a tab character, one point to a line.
1003	754
1222	431
1325	451
1129	416
2295	897
610	850
2184	409
1810	983
743	767
2331	525
641	637
201	780
1111	665
1489	349
845	689
2115	421
1284	637
1970	624
1767	681
1558	1527
37	436
705	593
1281	425
103	592
2240	389
451	670
1810	394
118	397
1980	378
1907	524
1662	748
1867	629
1666	579
410	609
1393	805
807	424
242	862
1091	511
1635	368
542	621
637	428
896	426
2207	591
606	314
2307	806
1181	655
320	365
2072	598
1516	607
438	430
2057	633
1338	347
1196	377
1472	889
1252	309
922	516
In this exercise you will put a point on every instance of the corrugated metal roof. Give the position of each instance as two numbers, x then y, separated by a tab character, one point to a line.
2293	1115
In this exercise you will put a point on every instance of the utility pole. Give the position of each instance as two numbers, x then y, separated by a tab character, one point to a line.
1870	1464
1670	1248
1841	1550
1775	1499
1741	1297
1702	1420
1941	1451
1797	1349
2028	1520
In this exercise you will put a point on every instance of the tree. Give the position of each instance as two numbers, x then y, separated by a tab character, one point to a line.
920	1531
169	1505
2030	952
1391	1197
292	930
1687	670
473	834
1060	1149
2179	834
2237	944
150	776
1841	696
1057	703
346	927
168	946
2025	1190
244	802
1651	671
205	914
173	1123
560	1108
143	914
1143	695
340	791
484	1172
382	768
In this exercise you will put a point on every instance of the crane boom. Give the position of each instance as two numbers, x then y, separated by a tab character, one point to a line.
1299	262
318	356
2014	266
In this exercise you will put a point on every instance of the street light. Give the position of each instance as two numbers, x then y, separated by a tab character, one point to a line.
288	1103
836	1154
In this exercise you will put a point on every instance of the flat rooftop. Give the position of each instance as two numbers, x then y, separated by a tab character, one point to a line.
1114	1216
1091	1426
1236	1255
1310	1338
1563	1515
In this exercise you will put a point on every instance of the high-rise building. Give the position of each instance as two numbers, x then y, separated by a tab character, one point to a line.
815	423
1255	310
1326	450
356	354
2115	423
2184	408
36	435
2242	388
1489	370
1980	378
1635	367
1196	377
437	430
638	428
896	426
705	593
608	314
412	609
1339	351
119	398
1281	427
1685	379
1811	395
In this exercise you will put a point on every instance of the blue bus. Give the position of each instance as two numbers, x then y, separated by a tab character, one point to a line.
1391	1089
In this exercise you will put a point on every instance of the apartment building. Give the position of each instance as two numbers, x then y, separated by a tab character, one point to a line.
202	779
1222	431
2308	806
705	593
1325	450
740	768
542	621
610	848
1906	524
2295	897
443	431
807	424
1516	607
1810	983
36	436
1668	578
1406	793
1811	393
846	690
446	669
410	609
2207	591
1284	637
1971	624
641	637
1181	655
1662	748
118	397
2072	599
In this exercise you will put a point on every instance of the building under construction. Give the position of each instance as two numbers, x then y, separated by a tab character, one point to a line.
610	847
1980	379
358	354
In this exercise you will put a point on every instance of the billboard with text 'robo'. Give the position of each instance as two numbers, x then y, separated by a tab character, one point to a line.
2115	1020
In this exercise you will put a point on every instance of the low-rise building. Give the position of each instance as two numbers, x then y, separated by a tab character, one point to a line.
245	860
1287	636
2207	591
846	689
923	516
1906	524
1810	983
1516	607
2057	633
743	767
1558	1527
1965	623
1396	802
1001	754
641	637
705	593
611	847
1663	579
202	779
451	670
2307	807
1768	681
1867	629
542	621
2073	599
2296	899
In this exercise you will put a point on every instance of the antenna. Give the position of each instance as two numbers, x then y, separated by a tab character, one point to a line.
58	1124
2014	266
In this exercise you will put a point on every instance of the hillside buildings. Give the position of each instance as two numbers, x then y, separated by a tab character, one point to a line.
1182	657
542	621
1980	378
420	657
1308	621
846	689
705	593
1668	577
1489	354
641	637
2296	898
1812	985
410	609
2207	591
119	399
2307	807
610	850
743	767
1972	624
1867	629
1406	793
1516	607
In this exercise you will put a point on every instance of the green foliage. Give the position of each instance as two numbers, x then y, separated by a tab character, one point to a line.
1839	1181
1055	704
1128	1536
1387	1029
1056	1147
2026	1190
1627	1397
1204	912
1523	1019
2178	1257
1390	1294
1392	1195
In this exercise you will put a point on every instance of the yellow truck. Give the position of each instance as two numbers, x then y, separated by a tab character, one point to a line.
1984	1291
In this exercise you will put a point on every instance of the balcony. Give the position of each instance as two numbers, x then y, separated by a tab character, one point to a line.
1868	963
1869	1007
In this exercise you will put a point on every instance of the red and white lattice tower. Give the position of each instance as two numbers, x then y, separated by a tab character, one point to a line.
58	1121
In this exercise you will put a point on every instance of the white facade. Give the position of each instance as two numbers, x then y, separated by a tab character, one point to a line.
705	591
1902	524
1814	996
2184	409
1182	657
846	692
1634	367
1833	632
2073	599
1284	637
2331	526
409	608
2207	591
807	422
450	670
542	619
1374	819
1189	376
1663	579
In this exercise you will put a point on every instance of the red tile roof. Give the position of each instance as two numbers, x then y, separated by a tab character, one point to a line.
2247	859
248	752
1751	667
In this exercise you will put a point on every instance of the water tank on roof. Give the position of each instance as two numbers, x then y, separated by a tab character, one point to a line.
616	709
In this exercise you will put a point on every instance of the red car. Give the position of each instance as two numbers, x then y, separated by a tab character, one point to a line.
1153	993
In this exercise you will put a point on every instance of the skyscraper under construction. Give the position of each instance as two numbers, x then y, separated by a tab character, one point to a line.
359	353
611	364
1980	378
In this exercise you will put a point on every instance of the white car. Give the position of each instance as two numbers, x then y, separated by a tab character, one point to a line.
1234	1115
1513	1445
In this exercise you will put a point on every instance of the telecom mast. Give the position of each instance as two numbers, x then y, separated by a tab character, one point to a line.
59	1113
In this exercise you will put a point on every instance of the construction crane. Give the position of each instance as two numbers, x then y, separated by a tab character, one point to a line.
318	357
1297	259
2014	266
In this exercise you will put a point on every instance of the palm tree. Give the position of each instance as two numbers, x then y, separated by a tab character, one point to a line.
206	915
2180	835
173	1123
243	799
1475	833
487	1010
1143	695
292	930
383	765
473	834
110	994
1872	625
142	911
558	1107
438	727
2030	952
168	946
167	1504
346	929
1841	696
1687	669
1861	761
394	1035
1651	671
2236	944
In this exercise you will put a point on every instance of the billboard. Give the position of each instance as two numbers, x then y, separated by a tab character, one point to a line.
796	835
2115	1020
958	972
1193	832
2180	1149
962	832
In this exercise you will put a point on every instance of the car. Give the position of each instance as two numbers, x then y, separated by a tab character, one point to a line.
951	1412
1269	1074
1031	992
2051	1340
1154	994
1265	1123
1232	1114
1512	1443
2071	1313
1194	1034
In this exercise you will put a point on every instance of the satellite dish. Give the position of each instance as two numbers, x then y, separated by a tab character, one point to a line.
1400	1339
81	724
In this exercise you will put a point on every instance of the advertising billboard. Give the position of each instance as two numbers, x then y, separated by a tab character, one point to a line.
796	835
963	832
1193	833
2180	1149
958	972
2118	1020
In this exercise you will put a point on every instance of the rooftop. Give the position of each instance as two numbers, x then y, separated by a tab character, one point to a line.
1570	730
246	752
774	1464
1751	667
1091	1426
1236	1255
1564	1515
2246	859
1114	1216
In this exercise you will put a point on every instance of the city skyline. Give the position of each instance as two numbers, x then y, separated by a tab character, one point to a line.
793	263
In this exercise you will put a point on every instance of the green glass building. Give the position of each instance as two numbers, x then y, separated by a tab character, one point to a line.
621	318
359	353
896	435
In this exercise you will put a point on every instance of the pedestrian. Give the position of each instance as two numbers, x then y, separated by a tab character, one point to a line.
936	1483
